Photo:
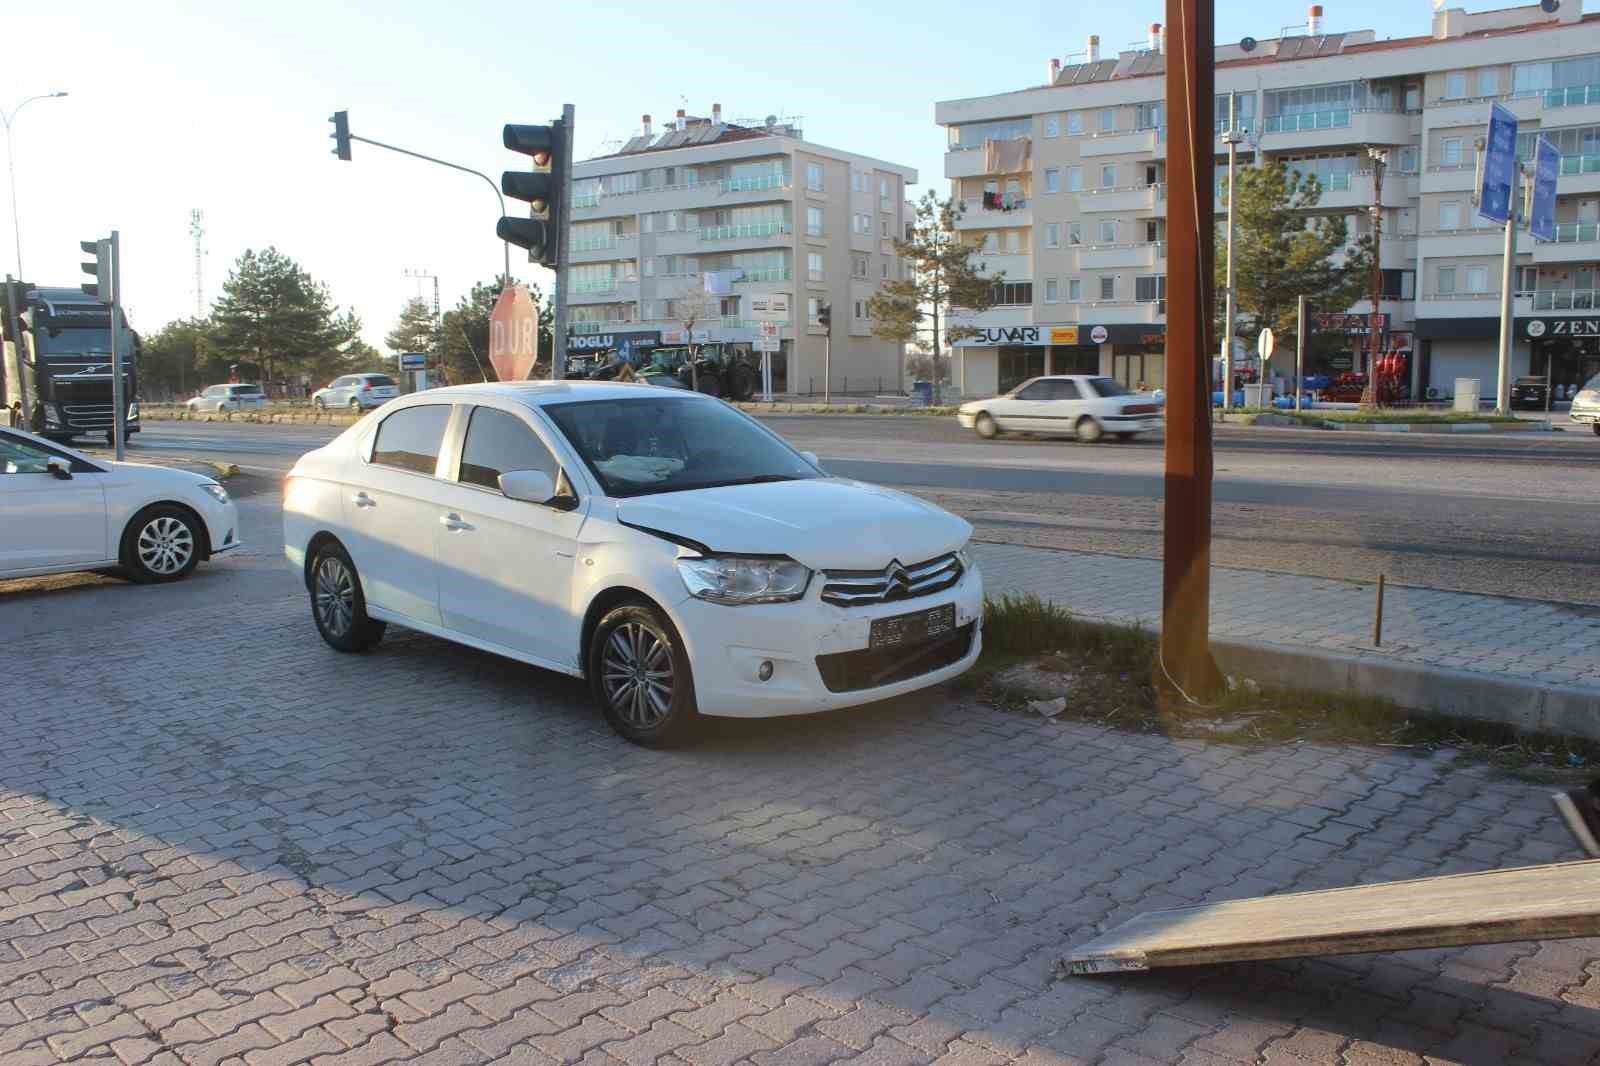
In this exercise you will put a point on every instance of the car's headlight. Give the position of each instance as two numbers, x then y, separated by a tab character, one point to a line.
52	416
736	580
215	491
133	412
969	565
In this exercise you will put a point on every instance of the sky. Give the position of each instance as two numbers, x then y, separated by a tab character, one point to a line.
223	107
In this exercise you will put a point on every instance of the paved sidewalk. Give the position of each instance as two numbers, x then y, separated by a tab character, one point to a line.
1555	644
221	842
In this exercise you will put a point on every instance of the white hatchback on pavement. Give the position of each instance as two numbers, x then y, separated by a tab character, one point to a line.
660	543
61	511
1082	405
220	398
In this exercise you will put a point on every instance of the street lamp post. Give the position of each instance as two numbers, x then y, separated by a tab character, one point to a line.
1380	159
7	118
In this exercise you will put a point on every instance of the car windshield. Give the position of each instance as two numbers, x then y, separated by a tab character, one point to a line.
1108	387
1593	384
653	444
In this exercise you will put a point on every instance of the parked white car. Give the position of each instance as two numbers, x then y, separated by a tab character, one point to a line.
64	511
358	392
675	552
1586	405
1082	405
220	398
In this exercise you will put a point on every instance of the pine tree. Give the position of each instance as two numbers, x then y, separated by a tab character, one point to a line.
274	315
415	330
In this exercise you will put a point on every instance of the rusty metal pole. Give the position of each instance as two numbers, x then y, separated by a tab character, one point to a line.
1185	659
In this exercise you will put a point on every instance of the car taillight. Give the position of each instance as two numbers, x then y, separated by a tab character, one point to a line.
366	387
1140	409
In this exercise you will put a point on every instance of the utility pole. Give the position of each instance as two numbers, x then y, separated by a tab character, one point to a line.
558	361
1232	138
1299	350
1184	660
197	230
1369	394
1508	268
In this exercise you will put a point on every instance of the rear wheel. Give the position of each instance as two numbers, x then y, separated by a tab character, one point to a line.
744	382
337	604
161	544
1596	427
710	383
639	673
1088	430
986	427
355	404
316	401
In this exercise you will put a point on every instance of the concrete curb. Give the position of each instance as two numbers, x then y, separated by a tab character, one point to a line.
1286	422
1525	704
299	418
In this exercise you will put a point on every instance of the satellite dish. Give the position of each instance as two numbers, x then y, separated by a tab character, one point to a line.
772	120
1248	44
1549	7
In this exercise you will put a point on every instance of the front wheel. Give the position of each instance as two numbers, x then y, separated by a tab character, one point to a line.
1088	430
161	544
639	674
338	606
1596	427
316	401
985	427
355	405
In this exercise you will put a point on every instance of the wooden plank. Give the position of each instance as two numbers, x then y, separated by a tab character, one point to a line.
1527	903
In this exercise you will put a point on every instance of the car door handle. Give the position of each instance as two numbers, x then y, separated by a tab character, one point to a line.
453	522
361	499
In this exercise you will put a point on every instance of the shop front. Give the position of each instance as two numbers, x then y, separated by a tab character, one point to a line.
588	344
998	359
1565	352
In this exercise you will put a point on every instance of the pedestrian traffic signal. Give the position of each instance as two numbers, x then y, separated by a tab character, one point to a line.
825	317
341	134
100	270
542	189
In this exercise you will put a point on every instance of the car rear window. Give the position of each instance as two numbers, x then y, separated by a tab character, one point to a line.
380	379
1109	387
247	390
410	439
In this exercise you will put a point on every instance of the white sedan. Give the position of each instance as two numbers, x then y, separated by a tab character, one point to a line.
660	543
64	511
1082	405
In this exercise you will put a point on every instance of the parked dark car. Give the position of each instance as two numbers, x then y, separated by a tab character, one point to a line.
1528	394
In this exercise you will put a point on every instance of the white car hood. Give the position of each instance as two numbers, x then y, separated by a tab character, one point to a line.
148	474
825	523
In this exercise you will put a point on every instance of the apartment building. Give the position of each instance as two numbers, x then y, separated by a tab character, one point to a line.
701	221
1064	185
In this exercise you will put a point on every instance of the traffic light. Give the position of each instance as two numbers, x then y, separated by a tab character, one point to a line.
341	134
825	317
100	270
541	189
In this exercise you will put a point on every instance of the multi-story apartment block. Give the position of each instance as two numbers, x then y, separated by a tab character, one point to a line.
1065	191
696	222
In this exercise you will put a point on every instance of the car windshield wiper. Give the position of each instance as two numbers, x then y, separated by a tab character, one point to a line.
758	479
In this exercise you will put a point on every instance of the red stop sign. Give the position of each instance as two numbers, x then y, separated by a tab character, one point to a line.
514	334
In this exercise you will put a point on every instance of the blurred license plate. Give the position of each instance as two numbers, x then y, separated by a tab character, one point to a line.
915	628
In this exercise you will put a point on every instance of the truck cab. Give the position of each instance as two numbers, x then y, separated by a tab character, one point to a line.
62	362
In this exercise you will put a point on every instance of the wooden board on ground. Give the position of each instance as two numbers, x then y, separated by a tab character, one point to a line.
1528	903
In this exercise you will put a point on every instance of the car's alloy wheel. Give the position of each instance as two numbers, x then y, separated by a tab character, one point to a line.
1088	430
162	543
337	605
316	401
986	427
640	676
355	404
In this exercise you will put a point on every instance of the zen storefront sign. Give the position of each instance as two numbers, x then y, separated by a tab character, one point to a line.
1535	328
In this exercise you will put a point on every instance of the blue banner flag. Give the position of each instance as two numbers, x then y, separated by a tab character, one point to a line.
1499	165
1546	168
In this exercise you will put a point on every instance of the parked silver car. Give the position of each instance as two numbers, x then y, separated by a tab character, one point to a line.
220	398
359	392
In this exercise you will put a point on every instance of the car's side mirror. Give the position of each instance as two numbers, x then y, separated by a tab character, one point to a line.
530	486
811	457
60	468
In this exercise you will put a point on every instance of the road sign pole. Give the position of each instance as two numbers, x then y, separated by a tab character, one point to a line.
1228	311
558	357
119	397
1502	392
14	291
1299	351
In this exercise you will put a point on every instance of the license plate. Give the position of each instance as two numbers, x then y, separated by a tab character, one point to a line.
915	628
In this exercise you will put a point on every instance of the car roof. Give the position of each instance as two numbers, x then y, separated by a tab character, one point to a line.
540	393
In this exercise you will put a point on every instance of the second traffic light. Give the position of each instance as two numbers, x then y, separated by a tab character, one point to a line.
100	270
825	317
542	189
341	134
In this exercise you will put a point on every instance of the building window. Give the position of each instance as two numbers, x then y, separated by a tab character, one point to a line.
1149	288
729	307
1450	152
1074	179
1408	160
813	221
1052	235
1527	280
1013	294
1074	123
1108	288
1108	176
1052	180
991	243
1108	120
1477	279
861	311
884	222
1399	284
857	182
1488	82
1147	117
813	305
1052	291
1455	85
814	177
1052	126
814	266
858	266
650	266
884	267
1447	281
1074	233
1450	215
883	193
1074	290
1108	231
1013	241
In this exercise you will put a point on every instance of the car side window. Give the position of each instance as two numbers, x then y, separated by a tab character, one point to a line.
1039	390
410	439
498	442
1065	390
19	456
339	383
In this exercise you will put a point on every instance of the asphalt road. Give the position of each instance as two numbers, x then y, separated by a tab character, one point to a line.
1513	514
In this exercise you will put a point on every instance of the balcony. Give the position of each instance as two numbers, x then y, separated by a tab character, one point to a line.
1110	312
1014	265
1576	242
1121	200
1317	129
615	291
1351	191
765	277
975	215
608	326
1566	300
1136	255
1449	177
1474	111
753	184
1125	142
749	233
1466	305
600	250
1487	241
964	162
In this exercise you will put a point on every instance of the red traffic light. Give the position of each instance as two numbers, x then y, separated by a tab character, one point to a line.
540	142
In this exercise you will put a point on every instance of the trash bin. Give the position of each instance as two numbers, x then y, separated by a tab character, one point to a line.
922	393
1257	395
1467	395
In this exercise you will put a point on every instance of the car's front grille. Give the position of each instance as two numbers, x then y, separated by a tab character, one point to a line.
852	671
88	414
861	588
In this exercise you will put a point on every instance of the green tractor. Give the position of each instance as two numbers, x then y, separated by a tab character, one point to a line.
716	369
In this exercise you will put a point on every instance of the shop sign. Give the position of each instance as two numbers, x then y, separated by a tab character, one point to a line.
601	342
995	335
1099	334
1535	328
1064	335
1351	325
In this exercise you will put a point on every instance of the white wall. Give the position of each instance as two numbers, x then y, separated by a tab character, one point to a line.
1472	359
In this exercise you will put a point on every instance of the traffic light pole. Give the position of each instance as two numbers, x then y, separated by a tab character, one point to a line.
452	166
558	356
119	397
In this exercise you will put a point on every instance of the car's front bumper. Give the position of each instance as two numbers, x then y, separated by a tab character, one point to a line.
1131	423
1584	413
727	646
222	523
966	419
